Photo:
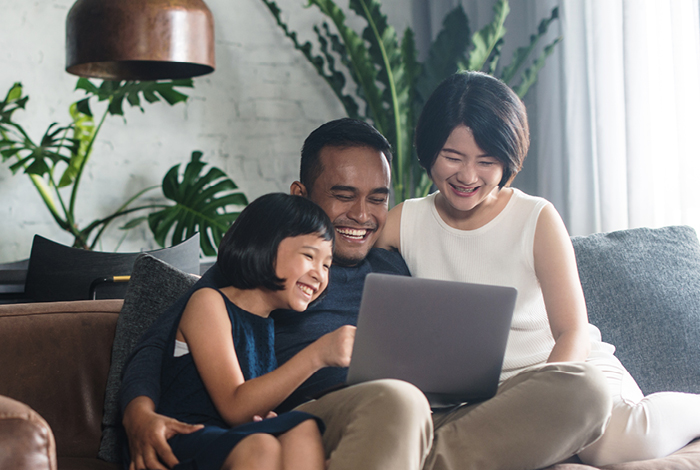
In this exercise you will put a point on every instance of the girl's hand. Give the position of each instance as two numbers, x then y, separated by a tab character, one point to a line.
335	348
258	418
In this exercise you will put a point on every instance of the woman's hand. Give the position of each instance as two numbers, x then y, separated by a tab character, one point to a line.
334	349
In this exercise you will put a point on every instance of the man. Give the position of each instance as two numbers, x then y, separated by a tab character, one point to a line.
345	169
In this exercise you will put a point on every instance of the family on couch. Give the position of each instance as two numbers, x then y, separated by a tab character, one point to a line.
552	402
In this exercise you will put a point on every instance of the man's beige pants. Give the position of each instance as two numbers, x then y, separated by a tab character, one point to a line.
379	425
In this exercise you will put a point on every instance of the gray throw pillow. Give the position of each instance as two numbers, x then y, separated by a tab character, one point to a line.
153	287
642	289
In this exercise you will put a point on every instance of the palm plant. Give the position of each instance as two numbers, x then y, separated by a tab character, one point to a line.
390	81
56	163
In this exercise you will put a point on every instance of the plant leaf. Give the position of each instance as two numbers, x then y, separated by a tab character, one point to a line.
529	75
335	78
83	133
318	62
12	102
521	54
403	181
83	107
134	223
485	40
360	62
444	57
205	202
87	85
116	91
386	54
53	148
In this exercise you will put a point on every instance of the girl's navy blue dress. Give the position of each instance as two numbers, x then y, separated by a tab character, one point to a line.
185	398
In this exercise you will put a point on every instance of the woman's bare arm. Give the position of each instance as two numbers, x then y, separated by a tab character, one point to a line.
389	239
555	266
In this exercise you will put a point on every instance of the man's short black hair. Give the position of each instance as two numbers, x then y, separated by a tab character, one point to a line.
248	251
484	104
341	133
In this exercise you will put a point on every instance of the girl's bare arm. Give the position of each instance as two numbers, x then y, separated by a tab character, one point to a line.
206	328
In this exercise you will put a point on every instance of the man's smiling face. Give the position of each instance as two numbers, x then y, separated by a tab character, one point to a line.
353	189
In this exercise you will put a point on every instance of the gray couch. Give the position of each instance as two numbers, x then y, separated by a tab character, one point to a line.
642	290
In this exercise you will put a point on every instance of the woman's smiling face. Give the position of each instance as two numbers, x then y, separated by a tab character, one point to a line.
303	262
466	176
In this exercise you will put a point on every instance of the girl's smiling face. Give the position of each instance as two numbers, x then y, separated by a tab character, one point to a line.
466	176
303	262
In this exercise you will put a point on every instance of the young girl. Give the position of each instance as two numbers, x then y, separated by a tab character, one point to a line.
221	369
472	137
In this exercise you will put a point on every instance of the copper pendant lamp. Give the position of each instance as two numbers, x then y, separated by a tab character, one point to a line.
139	39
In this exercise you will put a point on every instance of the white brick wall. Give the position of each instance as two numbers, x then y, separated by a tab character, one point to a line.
249	117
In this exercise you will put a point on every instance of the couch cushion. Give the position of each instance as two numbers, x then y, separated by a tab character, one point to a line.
642	289
55	357
153	287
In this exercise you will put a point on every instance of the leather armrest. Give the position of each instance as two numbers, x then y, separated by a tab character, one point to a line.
26	440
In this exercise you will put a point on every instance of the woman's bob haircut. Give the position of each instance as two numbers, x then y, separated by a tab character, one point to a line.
484	104
248	250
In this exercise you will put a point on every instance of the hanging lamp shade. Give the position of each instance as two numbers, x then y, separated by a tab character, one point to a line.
139	39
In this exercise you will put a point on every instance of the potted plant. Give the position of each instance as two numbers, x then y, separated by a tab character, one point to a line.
392	84
202	199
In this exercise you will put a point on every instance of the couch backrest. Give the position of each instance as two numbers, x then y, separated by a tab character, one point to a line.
55	357
642	289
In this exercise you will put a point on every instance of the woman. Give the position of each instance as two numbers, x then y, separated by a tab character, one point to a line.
472	138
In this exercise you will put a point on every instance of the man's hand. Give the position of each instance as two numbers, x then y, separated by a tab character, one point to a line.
148	434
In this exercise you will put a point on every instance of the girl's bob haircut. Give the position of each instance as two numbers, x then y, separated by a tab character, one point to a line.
248	251
484	104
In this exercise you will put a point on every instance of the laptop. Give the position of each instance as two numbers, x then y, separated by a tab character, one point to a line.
446	338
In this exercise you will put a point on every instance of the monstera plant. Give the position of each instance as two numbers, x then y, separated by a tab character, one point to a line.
204	199
56	162
390	81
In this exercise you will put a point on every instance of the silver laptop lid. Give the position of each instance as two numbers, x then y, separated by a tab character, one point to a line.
447	338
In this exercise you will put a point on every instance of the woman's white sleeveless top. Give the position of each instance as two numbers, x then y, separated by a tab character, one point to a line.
498	253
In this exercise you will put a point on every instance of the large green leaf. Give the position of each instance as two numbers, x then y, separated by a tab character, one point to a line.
334	78
83	133
404	180
359	61
386	54
12	102
39	159
389	78
206	201
486	40
521	54
529	75
116	91
447	54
